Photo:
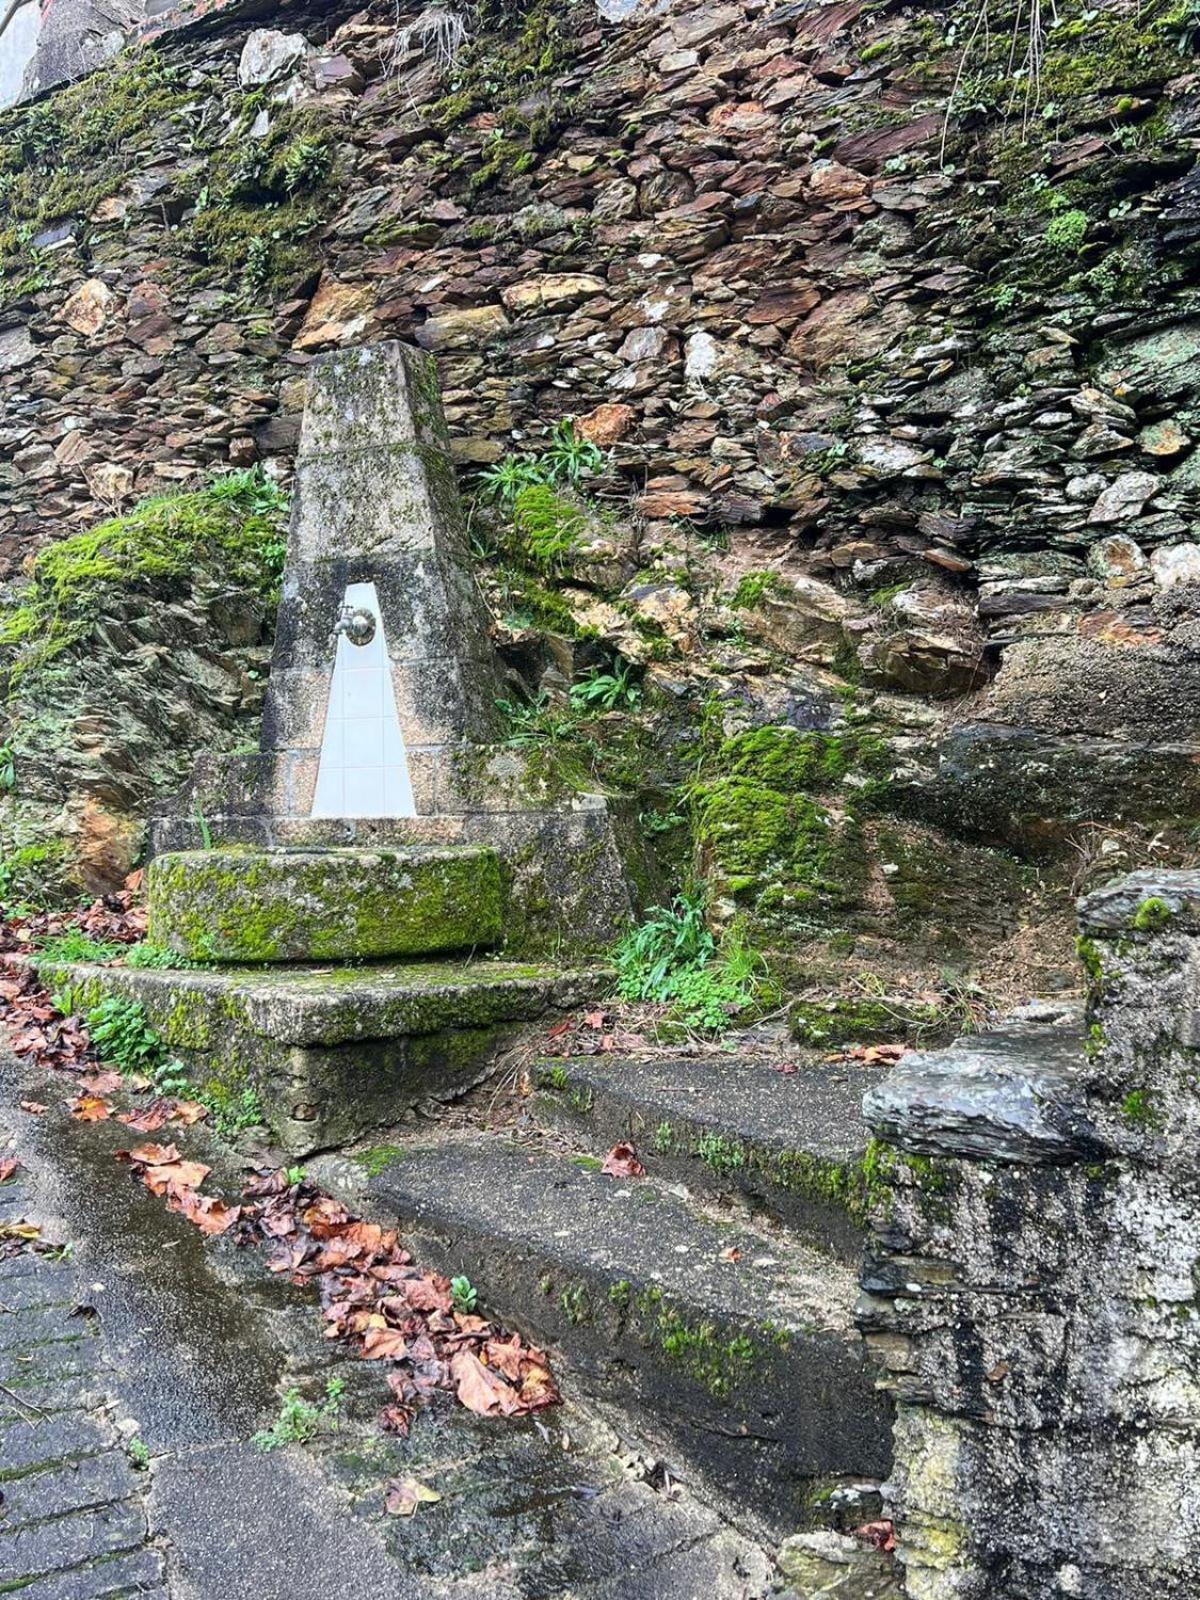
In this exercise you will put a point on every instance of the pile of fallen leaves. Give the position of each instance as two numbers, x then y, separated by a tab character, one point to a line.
379	1302
113	919
165	1173
373	1296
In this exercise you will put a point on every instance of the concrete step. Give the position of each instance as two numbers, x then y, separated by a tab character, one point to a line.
734	1353
325	905
333	1053
793	1145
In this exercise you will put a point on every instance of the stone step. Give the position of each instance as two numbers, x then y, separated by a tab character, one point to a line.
334	1053
734	1353
794	1145
325	905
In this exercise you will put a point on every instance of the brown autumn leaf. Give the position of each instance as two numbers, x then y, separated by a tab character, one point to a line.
150	1155
35	1108
480	1390
209	1214
90	1108
20	1230
880	1534
148	1120
187	1112
8	1167
171	1177
100	1082
622	1162
384	1344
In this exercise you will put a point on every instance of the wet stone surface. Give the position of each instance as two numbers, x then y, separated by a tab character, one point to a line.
192	1342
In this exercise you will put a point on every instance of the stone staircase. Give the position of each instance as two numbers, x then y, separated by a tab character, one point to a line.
711	1301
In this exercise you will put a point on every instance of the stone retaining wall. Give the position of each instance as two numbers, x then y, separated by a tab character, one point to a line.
1033	1292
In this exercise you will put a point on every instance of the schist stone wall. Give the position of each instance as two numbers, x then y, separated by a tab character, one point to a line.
1035	1290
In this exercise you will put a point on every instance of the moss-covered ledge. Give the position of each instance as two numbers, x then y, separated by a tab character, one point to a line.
334	905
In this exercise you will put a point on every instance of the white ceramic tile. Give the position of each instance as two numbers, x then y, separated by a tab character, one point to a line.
364	766
364	792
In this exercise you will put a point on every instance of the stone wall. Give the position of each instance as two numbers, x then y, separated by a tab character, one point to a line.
1034	1292
925	378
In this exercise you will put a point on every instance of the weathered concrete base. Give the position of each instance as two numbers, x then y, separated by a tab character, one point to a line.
334	1055
332	905
792	1146
570	871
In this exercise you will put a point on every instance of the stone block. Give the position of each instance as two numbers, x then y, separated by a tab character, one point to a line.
337	905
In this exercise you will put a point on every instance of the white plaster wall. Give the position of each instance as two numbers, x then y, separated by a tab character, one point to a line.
17	44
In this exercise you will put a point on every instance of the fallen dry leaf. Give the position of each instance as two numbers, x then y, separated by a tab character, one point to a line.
90	1108
881	1534
187	1112
8	1167
404	1495
149	1120
479	1389
622	1162
35	1108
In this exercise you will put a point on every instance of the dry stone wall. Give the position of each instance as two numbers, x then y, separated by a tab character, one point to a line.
932	375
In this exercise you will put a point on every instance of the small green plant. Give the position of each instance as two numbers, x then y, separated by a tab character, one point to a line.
547	526
305	164
752	588
170	1078
463	1295
1067	231
74	945
500	485
673	959
607	691
202	824
292	1176
1140	1110
138	1452
65	1000
300	1420
569	456
8	766
145	955
233	1113
122	1036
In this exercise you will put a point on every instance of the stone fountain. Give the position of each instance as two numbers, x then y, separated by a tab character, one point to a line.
382	820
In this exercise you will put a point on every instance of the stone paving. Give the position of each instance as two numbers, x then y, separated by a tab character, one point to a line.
73	1519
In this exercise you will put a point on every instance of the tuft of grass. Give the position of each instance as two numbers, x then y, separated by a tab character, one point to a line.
73	945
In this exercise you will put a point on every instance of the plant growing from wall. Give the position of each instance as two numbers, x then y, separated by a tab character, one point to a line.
673	959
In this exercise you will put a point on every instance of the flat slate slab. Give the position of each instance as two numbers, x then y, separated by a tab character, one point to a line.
793	1143
736	1351
325	905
